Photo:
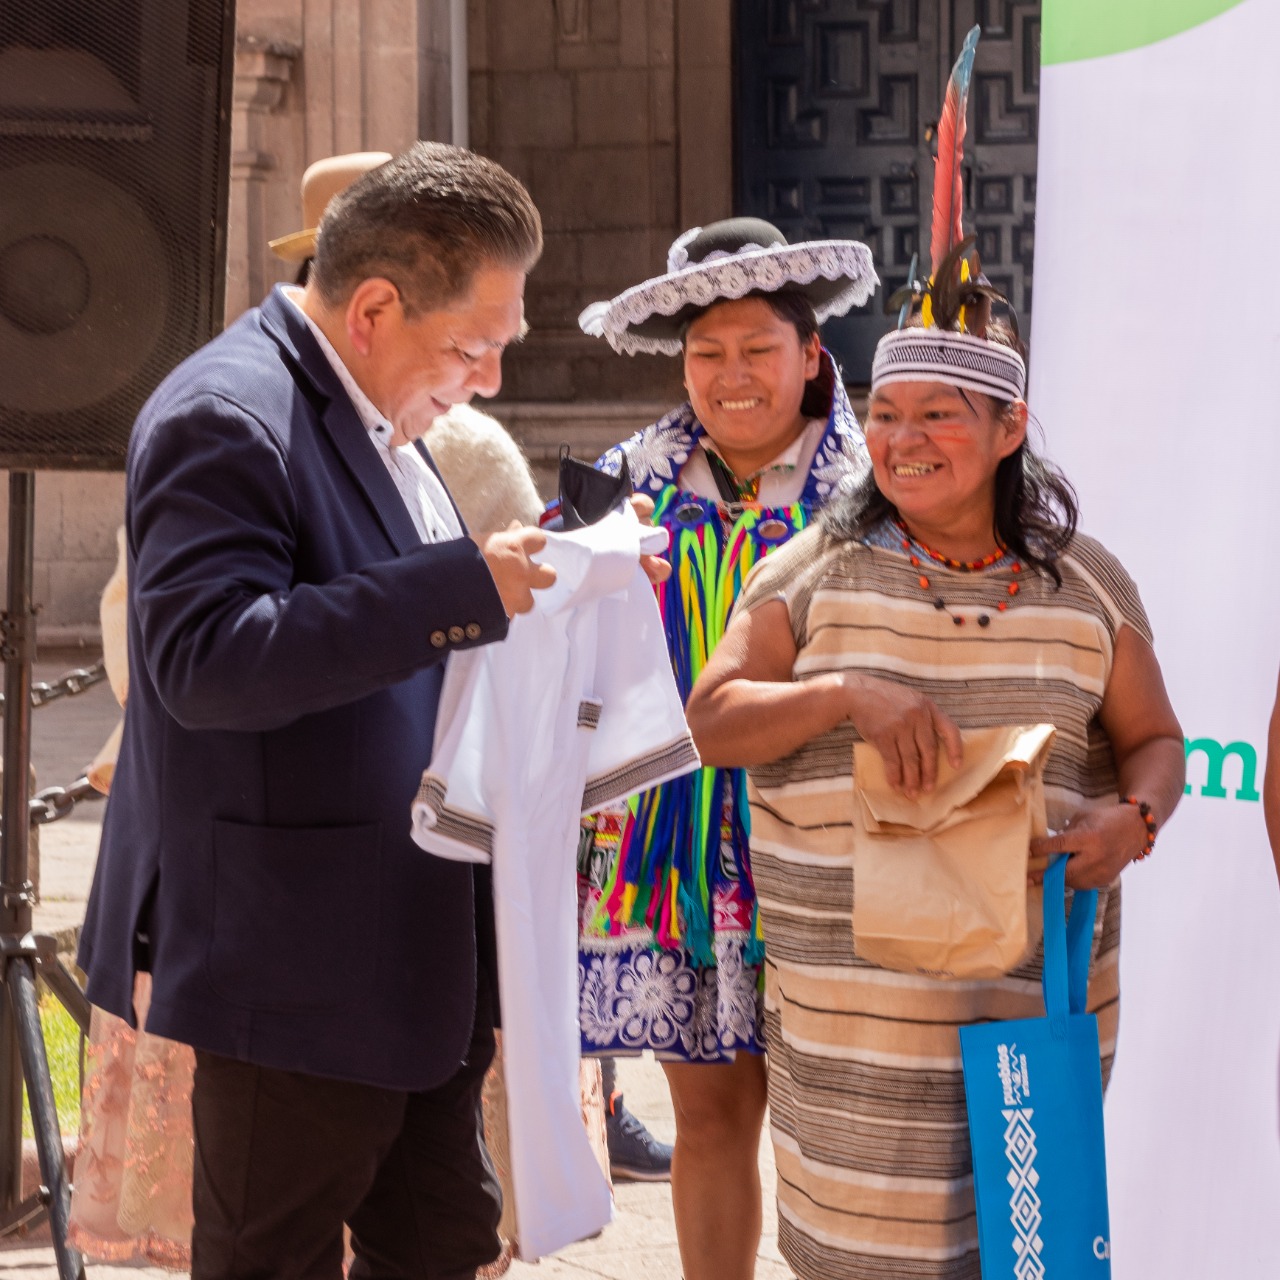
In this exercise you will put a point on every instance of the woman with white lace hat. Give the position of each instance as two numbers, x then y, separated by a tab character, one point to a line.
670	947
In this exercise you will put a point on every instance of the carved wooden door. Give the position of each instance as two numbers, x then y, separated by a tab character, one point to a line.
837	107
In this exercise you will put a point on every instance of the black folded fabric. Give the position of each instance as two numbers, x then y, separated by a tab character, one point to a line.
588	495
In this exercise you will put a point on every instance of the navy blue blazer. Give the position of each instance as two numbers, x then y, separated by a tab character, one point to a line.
287	632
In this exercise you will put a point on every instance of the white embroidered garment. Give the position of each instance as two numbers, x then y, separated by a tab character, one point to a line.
577	708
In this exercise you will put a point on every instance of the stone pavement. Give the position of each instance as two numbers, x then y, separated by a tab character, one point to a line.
641	1243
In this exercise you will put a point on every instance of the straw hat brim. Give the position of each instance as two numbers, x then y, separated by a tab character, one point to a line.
297	246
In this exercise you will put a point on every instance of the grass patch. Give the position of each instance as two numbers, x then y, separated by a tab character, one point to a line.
62	1044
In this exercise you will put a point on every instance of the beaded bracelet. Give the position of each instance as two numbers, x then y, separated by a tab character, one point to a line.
1149	819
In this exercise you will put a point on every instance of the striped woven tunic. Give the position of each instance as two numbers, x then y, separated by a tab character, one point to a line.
865	1086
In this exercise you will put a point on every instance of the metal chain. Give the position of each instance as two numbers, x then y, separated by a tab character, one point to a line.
73	682
54	803
57	802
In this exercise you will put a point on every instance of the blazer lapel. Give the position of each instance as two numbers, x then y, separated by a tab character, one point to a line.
340	422
360	454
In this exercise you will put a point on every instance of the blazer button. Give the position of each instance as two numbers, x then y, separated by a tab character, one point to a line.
456	635
439	639
473	631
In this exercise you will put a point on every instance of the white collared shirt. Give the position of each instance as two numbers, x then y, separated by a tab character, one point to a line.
577	708
424	496
782	481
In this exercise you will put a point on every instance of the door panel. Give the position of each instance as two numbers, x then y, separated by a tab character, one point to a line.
1000	151
837	104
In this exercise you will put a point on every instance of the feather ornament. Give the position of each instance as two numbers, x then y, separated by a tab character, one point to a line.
959	298
948	173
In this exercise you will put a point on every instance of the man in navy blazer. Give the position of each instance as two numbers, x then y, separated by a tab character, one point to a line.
298	575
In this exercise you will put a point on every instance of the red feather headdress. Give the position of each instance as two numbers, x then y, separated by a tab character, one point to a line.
951	343
956	296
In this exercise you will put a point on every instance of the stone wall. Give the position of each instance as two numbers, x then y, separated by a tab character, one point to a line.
76	517
578	100
615	113
316	78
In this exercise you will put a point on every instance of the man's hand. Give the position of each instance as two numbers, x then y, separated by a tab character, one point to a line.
656	569
516	576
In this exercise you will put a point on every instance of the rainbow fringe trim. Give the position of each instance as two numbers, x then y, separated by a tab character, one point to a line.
670	863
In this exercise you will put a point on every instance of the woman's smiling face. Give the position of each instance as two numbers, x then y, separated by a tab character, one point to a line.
745	369
935	450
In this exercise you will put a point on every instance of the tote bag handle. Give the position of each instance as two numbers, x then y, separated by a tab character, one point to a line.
1067	943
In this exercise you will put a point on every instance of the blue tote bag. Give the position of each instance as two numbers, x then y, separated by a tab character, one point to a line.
1034	1092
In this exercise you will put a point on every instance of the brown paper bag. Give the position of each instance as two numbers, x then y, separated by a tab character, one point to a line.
940	882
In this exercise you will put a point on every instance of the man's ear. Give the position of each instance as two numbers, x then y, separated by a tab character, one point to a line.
373	305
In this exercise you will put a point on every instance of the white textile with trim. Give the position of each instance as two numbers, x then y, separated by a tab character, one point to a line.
576	709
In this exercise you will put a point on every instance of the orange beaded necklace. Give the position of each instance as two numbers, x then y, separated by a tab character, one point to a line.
911	545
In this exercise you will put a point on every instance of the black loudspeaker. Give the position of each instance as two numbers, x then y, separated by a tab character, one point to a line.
115	120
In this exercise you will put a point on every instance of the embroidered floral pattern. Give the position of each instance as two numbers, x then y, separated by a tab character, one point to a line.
655	455
634	998
653	998
834	469
132	1195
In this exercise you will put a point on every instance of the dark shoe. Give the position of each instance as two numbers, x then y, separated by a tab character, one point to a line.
635	1155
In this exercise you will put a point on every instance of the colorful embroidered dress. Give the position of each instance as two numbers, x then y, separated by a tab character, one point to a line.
670	949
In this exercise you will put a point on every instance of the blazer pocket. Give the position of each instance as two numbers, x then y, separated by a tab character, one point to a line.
294	914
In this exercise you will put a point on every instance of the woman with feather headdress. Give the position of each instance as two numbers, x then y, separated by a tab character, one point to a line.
948	592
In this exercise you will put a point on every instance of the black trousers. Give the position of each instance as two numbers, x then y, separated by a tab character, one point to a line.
283	1159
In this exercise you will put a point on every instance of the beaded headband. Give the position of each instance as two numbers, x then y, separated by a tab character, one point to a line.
943	355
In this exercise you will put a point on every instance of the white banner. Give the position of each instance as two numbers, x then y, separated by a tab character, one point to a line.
1156	376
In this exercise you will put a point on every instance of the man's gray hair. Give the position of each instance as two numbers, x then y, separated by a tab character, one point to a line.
426	221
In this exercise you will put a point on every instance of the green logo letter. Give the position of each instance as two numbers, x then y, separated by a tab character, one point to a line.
1215	755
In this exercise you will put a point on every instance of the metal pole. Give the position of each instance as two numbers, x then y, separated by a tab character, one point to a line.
17	644
459	75
63	985
56	1188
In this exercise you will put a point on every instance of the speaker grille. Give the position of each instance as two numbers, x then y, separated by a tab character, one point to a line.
114	124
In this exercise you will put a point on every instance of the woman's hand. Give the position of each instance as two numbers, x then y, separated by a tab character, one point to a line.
656	569
1100	844
905	727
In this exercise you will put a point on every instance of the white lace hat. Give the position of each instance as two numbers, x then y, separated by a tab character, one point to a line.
724	261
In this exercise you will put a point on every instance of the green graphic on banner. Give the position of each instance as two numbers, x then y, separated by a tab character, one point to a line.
1215	755
1077	29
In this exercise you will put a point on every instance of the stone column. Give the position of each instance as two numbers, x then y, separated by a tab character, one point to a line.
435	70
263	70
362	67
704	109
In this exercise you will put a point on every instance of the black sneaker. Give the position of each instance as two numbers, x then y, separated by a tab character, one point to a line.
635	1155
